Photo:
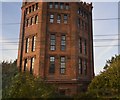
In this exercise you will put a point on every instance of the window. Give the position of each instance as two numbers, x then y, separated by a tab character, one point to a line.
27	45
36	19
82	25
61	5
50	5
27	12
65	18
52	42
85	47
85	67
32	65
86	26
27	22
33	43
37	6
67	6
33	8
32	21
52	65
62	65
63	42
30	9
58	18
78	23
80	66
78	11
51	18
80	45
56	5
25	64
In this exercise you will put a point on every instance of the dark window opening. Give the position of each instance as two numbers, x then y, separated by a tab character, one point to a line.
52	65
36	19
27	45
85	67
25	64
37	6
51	18
58	18
65	18
52	42
51	5
67	6
80	45
32	65
80	66
33	43
61	5
56	5
62	65
63	42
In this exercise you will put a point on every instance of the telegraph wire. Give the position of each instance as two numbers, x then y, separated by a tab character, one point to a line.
102	19
93	46
93	35
94	40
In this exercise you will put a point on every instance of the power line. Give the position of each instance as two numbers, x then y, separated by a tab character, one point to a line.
94	40
107	35
93	46
103	19
93	35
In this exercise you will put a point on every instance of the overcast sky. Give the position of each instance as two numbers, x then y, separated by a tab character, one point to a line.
11	13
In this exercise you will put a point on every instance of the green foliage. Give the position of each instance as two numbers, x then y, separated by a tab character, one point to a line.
108	82
9	70
25	85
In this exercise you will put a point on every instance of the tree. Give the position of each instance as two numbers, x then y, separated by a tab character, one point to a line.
108	82
25	85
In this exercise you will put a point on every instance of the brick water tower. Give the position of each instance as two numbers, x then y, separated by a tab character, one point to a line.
56	43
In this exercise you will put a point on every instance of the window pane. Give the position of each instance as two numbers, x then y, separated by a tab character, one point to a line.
80	45
52	36
63	37
36	6
62	65
61	5
27	45
56	5
65	18
51	16
52	47
63	47
33	43
30	9
52	59
62	71
25	64
32	65
52	42
67	6
58	18
80	66
52	65
63	42
36	19
50	5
